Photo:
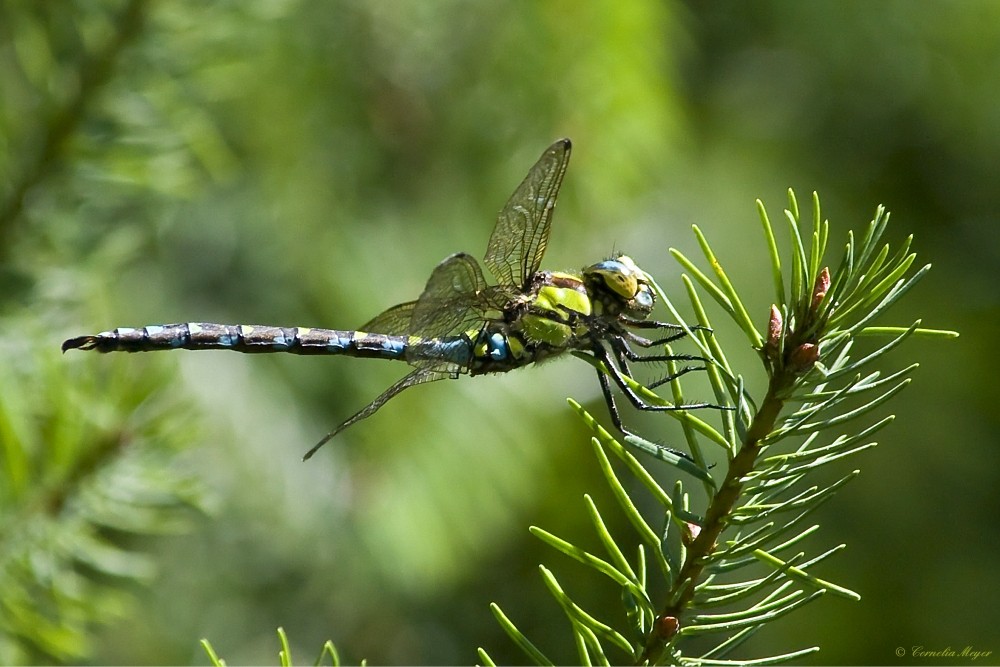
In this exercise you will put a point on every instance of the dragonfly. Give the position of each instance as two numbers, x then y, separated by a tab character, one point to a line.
463	325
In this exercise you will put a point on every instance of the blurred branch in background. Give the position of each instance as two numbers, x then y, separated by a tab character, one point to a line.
60	117
90	473
90	463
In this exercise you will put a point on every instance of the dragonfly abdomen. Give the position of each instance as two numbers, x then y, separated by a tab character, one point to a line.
243	338
453	350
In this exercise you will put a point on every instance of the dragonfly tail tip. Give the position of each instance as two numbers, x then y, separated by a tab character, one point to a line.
80	342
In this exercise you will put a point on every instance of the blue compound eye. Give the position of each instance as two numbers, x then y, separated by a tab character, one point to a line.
609	266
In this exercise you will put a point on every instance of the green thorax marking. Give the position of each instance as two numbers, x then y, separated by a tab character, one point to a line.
552	310
561	294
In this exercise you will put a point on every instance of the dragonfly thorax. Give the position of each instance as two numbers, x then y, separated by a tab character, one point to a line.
550	312
619	287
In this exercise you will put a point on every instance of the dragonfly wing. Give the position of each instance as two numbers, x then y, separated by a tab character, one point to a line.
419	376
453	300
521	233
393	322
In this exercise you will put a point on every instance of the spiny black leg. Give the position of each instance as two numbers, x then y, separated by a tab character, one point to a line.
642	358
609	398
646	342
634	398
654	324
622	349
662	381
622	352
616	418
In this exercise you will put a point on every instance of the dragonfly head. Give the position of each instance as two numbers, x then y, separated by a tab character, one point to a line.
621	287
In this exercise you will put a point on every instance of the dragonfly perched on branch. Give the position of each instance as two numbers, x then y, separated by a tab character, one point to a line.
462	325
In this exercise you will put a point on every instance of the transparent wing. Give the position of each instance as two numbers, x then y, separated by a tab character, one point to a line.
393	322
522	229
419	376
455	299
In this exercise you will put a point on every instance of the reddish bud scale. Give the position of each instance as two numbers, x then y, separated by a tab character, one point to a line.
804	357
821	287
774	325
691	533
667	627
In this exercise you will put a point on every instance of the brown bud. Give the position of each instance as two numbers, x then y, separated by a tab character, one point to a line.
667	627
774	325
691	533
821	287
803	357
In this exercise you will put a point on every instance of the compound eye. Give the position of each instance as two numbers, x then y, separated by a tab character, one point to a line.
622	283
644	298
628	263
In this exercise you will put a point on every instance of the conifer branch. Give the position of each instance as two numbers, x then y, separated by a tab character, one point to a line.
753	513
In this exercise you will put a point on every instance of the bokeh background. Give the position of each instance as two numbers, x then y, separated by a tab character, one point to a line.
308	162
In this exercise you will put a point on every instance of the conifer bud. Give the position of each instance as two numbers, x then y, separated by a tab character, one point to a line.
772	344
821	287
691	533
667	627
803	357
774	325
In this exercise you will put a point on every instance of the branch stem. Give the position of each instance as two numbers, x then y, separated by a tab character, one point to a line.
721	507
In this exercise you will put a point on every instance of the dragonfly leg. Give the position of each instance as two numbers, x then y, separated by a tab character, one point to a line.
641	358
646	342
616	417
624	354
642	341
623	358
619	378
654	324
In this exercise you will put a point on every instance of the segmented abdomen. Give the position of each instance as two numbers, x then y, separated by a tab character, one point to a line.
253	339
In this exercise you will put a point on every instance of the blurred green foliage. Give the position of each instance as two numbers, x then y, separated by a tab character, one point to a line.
307	162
